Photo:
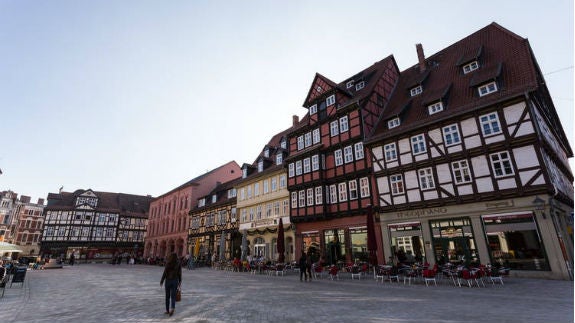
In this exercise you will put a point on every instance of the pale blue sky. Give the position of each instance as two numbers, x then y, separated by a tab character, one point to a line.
142	96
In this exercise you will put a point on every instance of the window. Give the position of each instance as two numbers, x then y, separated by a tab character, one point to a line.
490	124
359	151
338	157
316	136
301	198
416	90
277	208
257	189
266	186
313	109
470	67
461	172
348	154
274	184
310	196
260	166
307	139
282	181
434	108
306	165
364	187
334	128
342	188
266	152
283	143
315	162
298	167
259	212
249	191
343	124
390	152
330	100
349	84
333	193
300	143
418	144
396	184
393	123
451	135
318	195
294	200
359	85
487	88
426	179
501	164
291	170
279	158
352	189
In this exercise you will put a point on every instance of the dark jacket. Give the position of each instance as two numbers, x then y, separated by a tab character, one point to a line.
303	261
172	271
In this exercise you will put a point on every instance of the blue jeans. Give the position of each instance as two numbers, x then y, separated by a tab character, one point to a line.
171	286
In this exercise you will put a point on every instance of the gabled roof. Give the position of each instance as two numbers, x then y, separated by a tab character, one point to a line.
319	86
502	56
118	202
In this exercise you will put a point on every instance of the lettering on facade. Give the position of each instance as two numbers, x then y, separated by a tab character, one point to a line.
421	213
499	204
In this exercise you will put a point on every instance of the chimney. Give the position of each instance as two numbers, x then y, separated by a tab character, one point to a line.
295	120
420	57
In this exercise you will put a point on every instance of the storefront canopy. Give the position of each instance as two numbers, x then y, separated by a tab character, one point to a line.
8	247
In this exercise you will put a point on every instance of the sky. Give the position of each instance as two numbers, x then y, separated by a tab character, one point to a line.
139	97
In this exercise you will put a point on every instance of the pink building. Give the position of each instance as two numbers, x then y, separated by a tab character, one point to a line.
168	221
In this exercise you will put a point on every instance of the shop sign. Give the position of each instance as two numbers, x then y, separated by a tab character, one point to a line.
421	213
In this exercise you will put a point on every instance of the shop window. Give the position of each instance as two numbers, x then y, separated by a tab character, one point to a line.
453	241
407	242
334	246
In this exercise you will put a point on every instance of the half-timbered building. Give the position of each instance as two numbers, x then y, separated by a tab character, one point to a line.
213	229
94	226
263	199
328	170
471	161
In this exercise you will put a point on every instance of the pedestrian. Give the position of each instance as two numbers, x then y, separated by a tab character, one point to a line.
173	277
302	267
72	259
308	265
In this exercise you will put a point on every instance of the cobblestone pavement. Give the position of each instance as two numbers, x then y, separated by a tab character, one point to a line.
106	293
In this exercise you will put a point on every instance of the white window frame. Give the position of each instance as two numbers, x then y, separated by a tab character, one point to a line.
318	195
298	168
314	162
310	196
307	139
343	124
316	136
359	153
487	88
294	200
342	191
352	190
461	172
313	109
360	85
306	165
260	166
334	128
291	169
435	107
338	157
416	90
426	181
501	164
330	100
451	135
348	154
395	122
364	187
470	67
279	158
490	124
300	143
397	186
301	201
349	84
390	151
266	186
283	181
418	144
333	193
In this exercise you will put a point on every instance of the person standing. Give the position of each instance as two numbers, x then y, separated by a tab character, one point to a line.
173	277
302	267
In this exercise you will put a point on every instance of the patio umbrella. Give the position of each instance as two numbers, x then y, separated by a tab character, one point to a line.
280	243
244	245
222	246
371	242
8	247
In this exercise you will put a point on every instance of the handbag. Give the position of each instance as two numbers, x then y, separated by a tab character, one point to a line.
178	294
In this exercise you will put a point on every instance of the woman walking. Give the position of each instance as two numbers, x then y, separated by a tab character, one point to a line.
173	277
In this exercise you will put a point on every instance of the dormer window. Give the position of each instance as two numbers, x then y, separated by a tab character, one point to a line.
359	85
487	88
279	158
266	152
434	108
214	198
416	90
330	100
470	67
393	123
313	109
349	84
201	202
244	173
283	143
260	166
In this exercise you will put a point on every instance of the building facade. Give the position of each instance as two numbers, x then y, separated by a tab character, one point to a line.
329	173
29	226
263	199
94	226
167	230
213	233
471	161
